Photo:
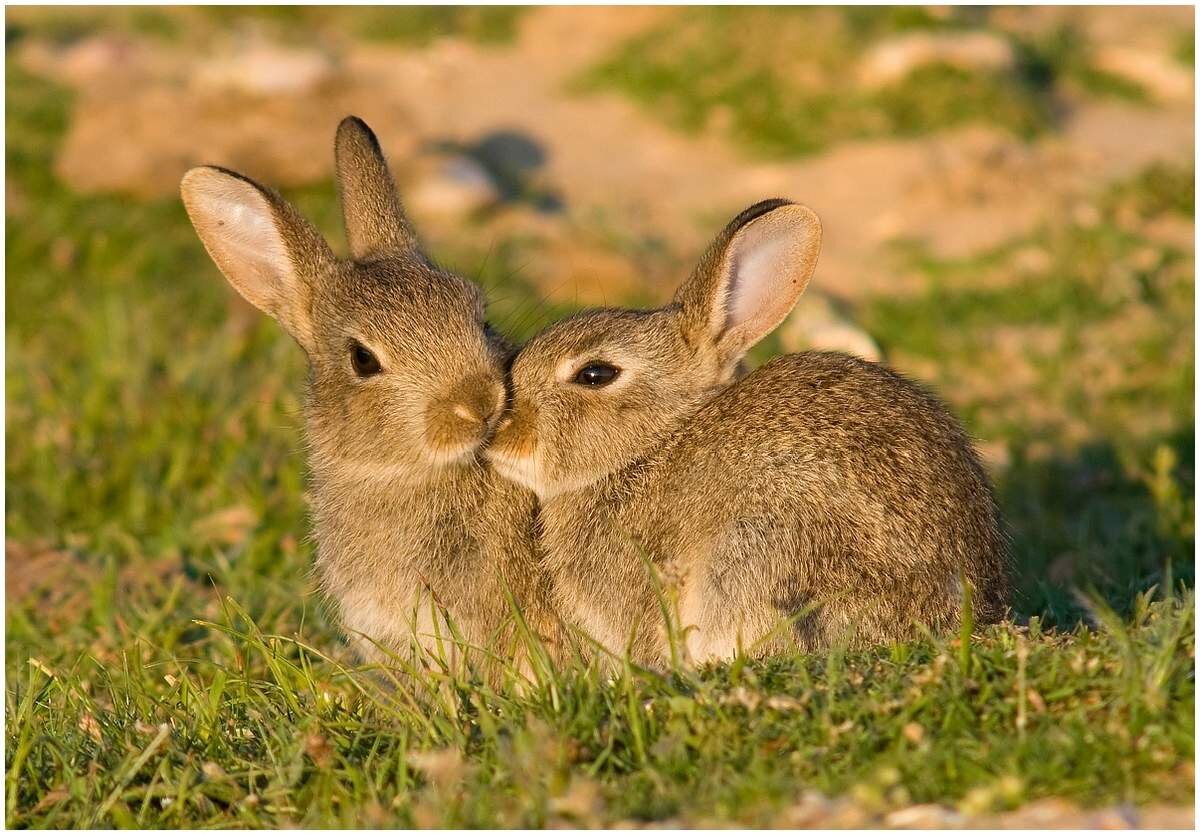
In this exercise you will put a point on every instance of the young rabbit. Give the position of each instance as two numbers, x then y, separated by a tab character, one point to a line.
405	383
819	499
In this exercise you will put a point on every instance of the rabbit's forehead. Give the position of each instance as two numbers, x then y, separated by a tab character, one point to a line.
382	298
597	336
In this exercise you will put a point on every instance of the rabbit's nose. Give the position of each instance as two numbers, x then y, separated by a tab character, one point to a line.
479	401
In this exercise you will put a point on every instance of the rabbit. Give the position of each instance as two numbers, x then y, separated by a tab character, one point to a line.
405	383
818	500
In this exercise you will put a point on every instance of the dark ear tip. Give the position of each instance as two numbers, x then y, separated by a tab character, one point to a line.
353	128
758	210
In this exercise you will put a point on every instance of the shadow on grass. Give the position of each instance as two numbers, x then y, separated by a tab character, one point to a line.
1099	520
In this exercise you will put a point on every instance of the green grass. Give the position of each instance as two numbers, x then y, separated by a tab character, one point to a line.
413	25
1073	350
231	725
169	664
781	82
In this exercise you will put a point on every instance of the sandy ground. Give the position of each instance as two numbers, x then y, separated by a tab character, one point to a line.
608	161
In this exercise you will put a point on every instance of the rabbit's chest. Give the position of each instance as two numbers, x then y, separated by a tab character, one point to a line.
606	571
391	574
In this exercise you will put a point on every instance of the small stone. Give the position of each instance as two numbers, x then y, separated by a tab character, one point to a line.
1114	818
811	811
265	69
95	58
893	59
921	816
815	324
1048	813
450	187
848	815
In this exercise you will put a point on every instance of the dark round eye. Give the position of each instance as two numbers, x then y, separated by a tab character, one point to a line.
364	362
597	374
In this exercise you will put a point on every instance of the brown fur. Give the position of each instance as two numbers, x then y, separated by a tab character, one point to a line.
820	488
406	513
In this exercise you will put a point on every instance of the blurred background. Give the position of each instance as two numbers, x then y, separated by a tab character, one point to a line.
1007	197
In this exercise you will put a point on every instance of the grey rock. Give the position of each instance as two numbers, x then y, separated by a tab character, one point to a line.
892	59
451	186
260	68
816	324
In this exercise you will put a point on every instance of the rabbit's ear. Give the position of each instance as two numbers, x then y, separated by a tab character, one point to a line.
265	248
375	221
750	277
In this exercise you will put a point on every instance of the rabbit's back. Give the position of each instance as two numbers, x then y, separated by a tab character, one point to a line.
821	474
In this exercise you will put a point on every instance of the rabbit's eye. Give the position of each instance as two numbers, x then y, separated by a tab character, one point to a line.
364	362
597	374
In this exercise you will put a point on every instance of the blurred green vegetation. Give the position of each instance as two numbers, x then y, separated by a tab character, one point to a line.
782	81
168	663
414	25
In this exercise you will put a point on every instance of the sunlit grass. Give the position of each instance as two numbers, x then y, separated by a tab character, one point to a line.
1072	350
169	663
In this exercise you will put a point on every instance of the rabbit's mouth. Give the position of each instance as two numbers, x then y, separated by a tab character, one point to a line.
449	452
522	470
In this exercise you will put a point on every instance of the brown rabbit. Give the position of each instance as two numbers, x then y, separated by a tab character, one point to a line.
405	383
819	499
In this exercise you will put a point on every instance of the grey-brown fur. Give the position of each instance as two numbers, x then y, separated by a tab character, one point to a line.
406	512
820	487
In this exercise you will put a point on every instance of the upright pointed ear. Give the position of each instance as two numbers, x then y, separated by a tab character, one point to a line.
750	277
265	248
375	221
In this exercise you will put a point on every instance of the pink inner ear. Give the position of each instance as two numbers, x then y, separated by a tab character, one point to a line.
760	282
239	230
240	224
772	260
